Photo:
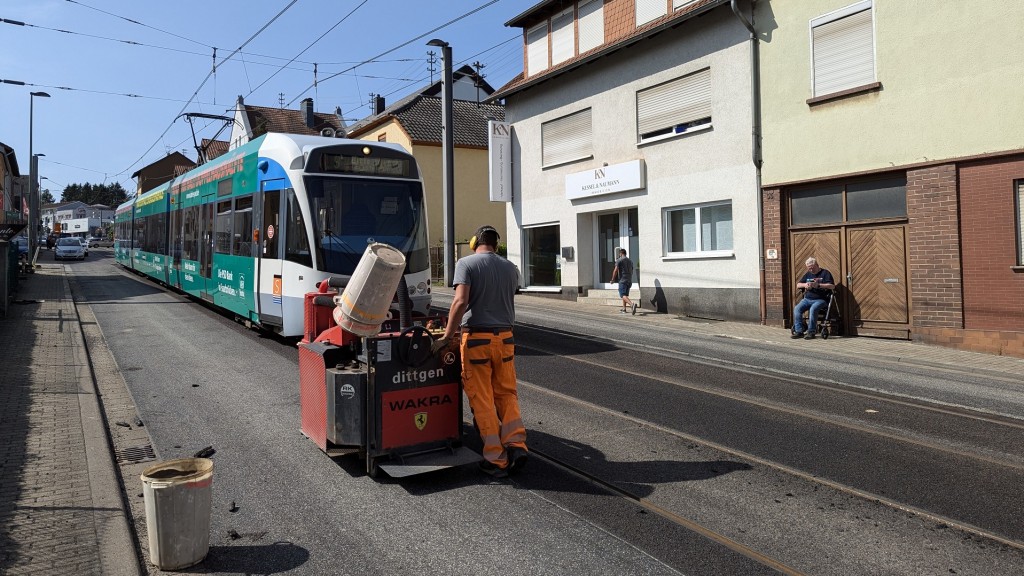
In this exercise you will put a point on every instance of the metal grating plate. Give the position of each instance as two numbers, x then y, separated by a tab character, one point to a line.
136	454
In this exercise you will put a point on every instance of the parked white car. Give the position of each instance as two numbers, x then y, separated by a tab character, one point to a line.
68	249
85	243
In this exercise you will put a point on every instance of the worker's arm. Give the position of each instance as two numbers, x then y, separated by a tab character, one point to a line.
459	305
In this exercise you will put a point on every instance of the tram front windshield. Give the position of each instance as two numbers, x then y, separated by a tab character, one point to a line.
351	213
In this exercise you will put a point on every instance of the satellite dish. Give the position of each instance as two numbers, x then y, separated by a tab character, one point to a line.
327	132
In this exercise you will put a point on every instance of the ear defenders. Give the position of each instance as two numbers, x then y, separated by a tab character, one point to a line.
476	239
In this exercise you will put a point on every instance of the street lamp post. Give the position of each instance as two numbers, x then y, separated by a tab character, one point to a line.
448	160
33	187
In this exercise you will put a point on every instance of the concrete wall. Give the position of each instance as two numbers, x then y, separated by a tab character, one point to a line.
951	87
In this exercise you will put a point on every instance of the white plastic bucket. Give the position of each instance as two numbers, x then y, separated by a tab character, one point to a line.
364	304
178	495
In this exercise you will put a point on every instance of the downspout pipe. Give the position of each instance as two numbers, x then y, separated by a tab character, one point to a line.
755	148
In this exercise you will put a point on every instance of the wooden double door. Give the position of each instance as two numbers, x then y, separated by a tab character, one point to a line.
869	263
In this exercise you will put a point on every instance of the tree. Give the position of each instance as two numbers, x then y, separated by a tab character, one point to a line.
45	197
106	194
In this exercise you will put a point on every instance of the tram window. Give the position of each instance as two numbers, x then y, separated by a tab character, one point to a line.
296	243
190	244
222	226
241	244
224	187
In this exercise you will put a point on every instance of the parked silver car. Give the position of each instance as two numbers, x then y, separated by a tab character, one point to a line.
69	248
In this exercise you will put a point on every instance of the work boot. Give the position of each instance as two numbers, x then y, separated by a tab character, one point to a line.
493	469
517	458
796	335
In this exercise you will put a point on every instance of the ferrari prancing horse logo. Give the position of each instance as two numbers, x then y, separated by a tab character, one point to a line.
421	420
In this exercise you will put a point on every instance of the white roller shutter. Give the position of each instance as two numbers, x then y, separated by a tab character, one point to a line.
591	24
677	4
567	138
677	102
648	10
537	49
844	55
563	37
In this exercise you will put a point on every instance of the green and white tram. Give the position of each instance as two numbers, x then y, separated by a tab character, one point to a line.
256	229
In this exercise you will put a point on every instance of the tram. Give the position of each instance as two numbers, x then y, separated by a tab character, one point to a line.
256	229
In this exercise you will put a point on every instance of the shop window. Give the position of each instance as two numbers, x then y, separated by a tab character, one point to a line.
843	49
884	198
698	230
543	260
567	139
674	107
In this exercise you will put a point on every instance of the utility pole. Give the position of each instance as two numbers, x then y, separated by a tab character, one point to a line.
448	159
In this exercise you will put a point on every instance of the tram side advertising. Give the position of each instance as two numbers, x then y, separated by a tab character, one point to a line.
256	229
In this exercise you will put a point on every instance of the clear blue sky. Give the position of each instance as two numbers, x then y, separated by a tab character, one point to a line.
95	133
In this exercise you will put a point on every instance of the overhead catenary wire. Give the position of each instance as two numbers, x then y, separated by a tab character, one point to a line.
203	83
311	44
400	46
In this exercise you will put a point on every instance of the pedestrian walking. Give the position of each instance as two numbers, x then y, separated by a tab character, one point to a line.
483	312
623	272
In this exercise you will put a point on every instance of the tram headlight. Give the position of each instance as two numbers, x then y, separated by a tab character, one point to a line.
421	288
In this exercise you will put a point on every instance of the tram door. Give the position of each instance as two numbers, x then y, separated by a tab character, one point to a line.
269	285
206	246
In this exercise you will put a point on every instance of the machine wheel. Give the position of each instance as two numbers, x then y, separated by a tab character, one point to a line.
414	346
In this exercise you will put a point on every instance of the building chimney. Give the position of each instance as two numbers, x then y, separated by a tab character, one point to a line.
307	112
378	105
343	131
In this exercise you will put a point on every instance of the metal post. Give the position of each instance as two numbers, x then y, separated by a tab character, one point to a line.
448	160
33	188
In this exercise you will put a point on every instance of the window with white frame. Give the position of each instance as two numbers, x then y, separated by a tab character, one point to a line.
537	49
843	49
649	10
703	229
563	36
1020	222
567	139
674	107
591	24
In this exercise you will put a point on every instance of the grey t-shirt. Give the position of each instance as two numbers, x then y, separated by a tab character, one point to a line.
492	282
625	267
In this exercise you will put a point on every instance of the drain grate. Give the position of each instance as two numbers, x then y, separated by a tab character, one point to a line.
136	454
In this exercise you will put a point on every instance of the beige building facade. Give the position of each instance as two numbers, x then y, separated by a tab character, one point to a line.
893	152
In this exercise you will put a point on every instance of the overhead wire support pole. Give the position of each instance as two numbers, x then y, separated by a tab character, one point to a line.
448	159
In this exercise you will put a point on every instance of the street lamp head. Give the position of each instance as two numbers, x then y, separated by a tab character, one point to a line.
41	94
437	42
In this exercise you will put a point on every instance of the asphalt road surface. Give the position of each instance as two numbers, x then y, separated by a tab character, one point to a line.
655	452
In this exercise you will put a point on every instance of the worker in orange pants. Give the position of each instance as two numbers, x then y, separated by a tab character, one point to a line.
483	310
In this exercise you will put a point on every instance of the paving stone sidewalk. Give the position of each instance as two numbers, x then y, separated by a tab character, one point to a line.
61	509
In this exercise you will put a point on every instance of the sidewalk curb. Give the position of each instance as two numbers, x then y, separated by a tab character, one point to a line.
118	548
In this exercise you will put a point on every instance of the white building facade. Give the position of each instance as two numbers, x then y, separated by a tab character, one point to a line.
636	136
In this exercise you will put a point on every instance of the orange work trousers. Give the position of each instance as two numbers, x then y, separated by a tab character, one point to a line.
489	379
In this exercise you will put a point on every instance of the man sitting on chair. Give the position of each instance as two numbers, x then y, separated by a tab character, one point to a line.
816	283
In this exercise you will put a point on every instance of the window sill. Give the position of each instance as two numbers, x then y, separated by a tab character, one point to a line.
698	255
873	87
1017	269
566	162
542	289
663	137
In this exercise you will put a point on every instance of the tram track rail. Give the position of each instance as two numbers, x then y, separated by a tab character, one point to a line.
752	458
